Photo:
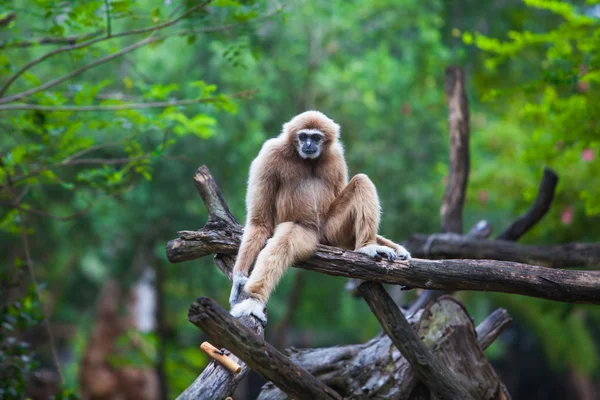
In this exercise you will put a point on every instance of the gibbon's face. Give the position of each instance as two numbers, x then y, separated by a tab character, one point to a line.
309	143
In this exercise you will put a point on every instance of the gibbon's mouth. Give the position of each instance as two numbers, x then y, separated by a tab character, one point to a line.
309	151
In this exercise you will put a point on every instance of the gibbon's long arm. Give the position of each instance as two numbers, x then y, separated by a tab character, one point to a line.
260	217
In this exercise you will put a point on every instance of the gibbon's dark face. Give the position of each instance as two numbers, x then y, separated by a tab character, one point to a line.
309	142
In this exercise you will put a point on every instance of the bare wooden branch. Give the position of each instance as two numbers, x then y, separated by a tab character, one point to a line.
478	275
376	369
481	230
552	256
258	354
70	40
125	106
458	121
537	211
425	365
212	196
491	327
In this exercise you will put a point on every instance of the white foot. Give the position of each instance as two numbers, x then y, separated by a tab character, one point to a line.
402	253
378	252
239	280
248	307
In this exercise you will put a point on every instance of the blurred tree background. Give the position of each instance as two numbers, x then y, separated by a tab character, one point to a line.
108	107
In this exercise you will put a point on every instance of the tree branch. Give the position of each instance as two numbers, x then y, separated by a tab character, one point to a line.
258	354
428	369
71	40
478	275
212	196
458	121
537	211
491	327
127	106
453	201
552	256
216	382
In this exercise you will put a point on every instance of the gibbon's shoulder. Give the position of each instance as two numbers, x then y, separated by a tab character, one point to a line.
268	152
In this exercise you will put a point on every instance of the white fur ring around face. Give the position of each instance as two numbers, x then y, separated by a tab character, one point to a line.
249	307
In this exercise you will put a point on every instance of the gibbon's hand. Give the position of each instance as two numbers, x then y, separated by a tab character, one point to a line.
379	252
239	281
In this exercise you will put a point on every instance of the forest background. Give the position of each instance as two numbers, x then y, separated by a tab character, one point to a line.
108	107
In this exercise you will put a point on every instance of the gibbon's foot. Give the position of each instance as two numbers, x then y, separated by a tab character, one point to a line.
239	280
379	252
248	307
402	253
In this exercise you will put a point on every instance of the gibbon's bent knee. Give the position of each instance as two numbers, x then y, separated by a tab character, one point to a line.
362	180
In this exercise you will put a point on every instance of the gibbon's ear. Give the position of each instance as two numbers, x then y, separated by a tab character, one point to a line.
312	120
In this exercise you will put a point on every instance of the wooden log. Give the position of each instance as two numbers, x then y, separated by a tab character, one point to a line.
439	379
258	354
216	382
377	369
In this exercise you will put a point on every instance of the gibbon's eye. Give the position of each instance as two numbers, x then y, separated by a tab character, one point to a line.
303	136
316	138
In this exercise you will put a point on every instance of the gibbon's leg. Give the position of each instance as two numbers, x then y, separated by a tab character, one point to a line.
353	219
291	243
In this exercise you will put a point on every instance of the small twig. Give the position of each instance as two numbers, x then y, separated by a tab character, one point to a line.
42	213
7	19
491	327
128	106
50	40
108	23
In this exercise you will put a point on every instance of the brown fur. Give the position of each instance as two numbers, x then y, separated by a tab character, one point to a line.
294	203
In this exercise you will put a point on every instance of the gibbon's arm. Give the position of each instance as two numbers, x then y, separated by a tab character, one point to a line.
260	218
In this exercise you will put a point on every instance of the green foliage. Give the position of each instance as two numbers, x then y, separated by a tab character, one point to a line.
376	67
16	356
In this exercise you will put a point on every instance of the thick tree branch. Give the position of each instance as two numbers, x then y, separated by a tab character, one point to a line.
458	121
258	354
478	275
552	256
428	369
537	211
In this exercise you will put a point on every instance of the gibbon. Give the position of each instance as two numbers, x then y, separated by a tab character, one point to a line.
298	196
